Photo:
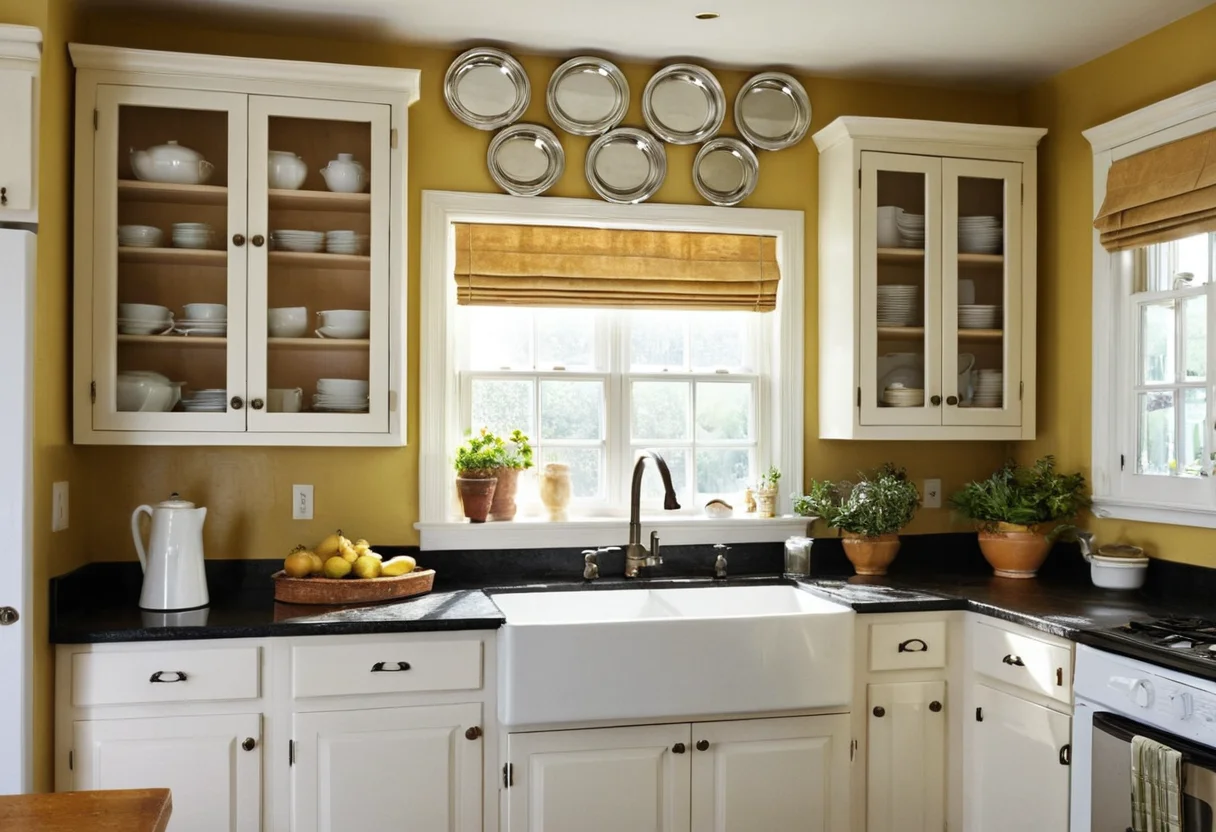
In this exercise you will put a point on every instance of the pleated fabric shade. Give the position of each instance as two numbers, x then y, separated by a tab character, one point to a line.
536	265
1160	195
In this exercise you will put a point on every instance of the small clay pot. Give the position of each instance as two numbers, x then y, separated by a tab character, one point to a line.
503	507
476	495
1014	551
871	555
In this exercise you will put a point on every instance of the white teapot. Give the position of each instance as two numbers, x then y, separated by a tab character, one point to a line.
344	175
170	162
286	171
142	391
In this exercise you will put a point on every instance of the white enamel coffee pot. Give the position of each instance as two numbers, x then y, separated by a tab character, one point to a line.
174	577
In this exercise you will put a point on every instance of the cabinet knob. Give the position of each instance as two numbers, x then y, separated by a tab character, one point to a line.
473	733
238	240
8	615
3	196
678	748
702	745
935	706
249	744
951	400
258	240
880	711
237	403
257	404
936	401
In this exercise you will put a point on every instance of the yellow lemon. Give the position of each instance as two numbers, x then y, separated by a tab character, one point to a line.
337	568
400	565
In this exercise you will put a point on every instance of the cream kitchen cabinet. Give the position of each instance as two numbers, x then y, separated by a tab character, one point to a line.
906	771
388	768
229	241
736	776
927	280
20	61
211	764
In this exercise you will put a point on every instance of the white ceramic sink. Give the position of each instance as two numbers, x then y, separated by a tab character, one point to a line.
652	653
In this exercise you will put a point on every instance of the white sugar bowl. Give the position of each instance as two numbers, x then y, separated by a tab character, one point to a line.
170	162
344	175
286	171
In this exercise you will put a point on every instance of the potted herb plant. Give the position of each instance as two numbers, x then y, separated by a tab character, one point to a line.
477	461
516	456
1013	506
766	492
869	514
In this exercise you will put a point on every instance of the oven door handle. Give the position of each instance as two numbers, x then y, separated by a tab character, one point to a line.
1124	729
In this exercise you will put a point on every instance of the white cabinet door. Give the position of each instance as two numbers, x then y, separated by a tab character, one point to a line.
407	769
906	757
1016	777
17	138
215	781
632	779
776	775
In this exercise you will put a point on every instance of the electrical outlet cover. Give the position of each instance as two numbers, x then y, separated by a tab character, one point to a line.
931	494
301	502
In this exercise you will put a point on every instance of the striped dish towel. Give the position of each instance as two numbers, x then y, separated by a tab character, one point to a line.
1156	787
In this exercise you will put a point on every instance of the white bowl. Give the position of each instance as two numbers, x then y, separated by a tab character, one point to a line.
345	318
287	322
342	332
144	327
1118	573
148	236
146	392
196	312
342	387
149	312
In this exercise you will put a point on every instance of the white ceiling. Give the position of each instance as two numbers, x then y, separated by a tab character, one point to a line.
1006	43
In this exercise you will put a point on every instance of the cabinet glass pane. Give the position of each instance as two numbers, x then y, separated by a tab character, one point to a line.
902	289
982	337
172	260
319	268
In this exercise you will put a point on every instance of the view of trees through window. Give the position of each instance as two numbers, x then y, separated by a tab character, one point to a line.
594	387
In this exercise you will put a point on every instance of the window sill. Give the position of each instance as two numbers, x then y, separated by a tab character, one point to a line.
1108	508
607	531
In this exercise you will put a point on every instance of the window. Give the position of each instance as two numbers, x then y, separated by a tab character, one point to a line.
592	387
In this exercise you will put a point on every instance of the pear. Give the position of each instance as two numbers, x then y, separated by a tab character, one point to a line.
318	565
337	568
347	552
367	567
400	565
328	547
299	563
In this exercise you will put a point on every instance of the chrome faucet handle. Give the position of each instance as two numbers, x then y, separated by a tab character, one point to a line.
655	558
603	550
591	568
720	560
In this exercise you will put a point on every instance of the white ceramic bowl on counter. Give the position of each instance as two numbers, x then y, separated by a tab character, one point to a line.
171	163
139	236
286	171
287	322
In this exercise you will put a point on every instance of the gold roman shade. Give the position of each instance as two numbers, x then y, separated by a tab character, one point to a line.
537	265
1160	195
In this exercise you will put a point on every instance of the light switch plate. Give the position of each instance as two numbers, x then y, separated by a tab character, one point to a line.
59	507
301	502
931	495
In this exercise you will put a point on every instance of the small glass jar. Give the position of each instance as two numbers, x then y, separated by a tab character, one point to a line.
798	557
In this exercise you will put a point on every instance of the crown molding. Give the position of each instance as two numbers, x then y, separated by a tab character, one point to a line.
20	43
863	127
1192	104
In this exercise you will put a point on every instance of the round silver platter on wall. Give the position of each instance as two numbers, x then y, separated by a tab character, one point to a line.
525	159
683	104
773	111
725	171
626	165
486	88
587	96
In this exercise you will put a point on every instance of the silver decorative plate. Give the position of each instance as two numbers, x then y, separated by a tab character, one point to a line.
525	159
486	88
683	104
725	171
626	165
773	111
587	96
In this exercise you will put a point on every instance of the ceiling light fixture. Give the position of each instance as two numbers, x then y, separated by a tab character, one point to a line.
707	16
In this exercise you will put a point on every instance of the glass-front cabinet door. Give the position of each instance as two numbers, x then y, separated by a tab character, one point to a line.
318	266
900	290
981	292
168	287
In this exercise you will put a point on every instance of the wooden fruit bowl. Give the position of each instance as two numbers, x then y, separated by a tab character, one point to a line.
335	591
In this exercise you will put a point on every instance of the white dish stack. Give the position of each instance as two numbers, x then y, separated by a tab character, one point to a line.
989	389
297	240
911	229
144	319
979	316
206	401
899	396
139	236
206	319
344	242
340	395
980	235
899	305
192	235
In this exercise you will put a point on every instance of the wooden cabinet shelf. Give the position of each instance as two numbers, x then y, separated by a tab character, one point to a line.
175	341
333	344
318	201
912	256
137	191
174	256
917	333
320	260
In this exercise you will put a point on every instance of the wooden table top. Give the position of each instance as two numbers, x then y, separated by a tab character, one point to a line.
136	810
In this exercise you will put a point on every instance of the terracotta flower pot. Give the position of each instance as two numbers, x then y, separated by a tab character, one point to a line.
476	495
503	507
871	555
1014	551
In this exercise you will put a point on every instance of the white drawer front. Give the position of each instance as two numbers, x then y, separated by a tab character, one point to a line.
911	646
385	667
1023	661
144	676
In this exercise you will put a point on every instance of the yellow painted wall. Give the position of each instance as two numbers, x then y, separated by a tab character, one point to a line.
1164	63
53	452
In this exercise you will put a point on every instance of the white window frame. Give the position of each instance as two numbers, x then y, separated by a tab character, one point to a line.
1118	492
439	394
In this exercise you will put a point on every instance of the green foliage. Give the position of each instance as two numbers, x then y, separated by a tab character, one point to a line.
1023	496
881	502
770	478
484	451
